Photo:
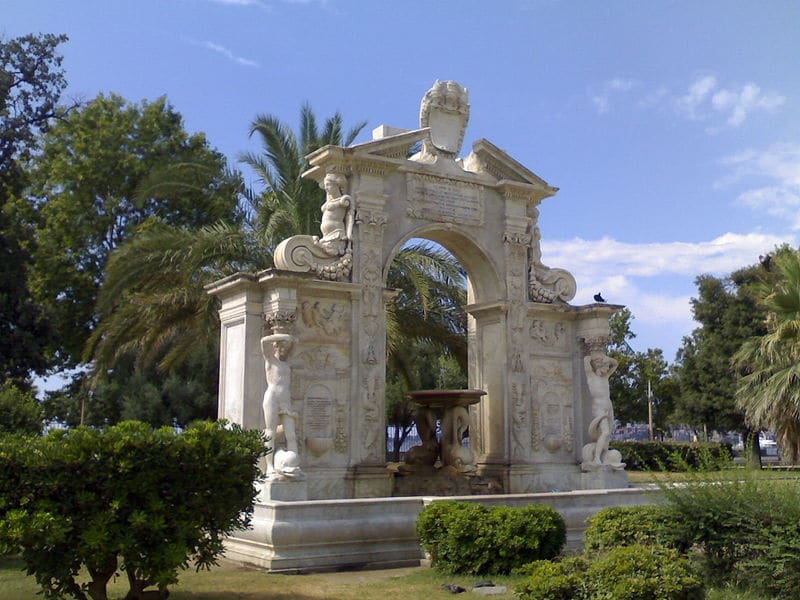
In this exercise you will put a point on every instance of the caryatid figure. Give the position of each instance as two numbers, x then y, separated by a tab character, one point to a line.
598	368
278	413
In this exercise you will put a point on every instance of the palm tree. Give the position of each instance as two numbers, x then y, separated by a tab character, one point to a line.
769	389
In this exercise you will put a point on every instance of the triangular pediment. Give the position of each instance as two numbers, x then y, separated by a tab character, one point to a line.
488	158
393	146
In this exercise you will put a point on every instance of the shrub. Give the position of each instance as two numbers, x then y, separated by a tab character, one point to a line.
463	537
747	528
673	456
626	525
562	580
132	498
640	572
773	567
633	572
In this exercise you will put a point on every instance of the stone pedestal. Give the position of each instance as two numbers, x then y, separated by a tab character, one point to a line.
370	481
282	490
604	479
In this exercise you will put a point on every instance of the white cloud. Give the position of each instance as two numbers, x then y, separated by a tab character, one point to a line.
632	274
775	201
780	162
720	255
699	91
779	167
611	87
705	98
739	104
230	55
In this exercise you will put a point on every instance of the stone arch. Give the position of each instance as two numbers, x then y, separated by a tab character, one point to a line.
484	283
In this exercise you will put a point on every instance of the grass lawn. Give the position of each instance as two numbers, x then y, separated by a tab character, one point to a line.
230	582
645	477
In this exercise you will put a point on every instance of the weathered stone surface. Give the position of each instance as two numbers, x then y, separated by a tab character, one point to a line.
495	590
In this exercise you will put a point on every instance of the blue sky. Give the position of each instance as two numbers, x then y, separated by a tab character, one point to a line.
671	128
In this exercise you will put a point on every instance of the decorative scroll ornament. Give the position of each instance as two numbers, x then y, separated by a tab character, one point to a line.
547	285
331	255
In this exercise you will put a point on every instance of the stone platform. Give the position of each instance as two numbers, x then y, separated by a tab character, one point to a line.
320	535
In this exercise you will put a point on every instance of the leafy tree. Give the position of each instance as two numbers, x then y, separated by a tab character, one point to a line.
769	390
99	180
31	82
147	502
728	313
153	300
19	410
635	371
131	391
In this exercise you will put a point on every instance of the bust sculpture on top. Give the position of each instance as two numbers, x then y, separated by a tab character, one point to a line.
445	111
329	256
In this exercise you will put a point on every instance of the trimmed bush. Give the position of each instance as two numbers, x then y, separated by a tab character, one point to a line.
633	572
129	498
548	580
464	537
643	573
617	526
673	456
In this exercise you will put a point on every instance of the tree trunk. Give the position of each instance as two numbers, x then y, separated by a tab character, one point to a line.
101	574
752	449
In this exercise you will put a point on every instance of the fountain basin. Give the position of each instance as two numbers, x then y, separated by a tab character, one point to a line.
441	399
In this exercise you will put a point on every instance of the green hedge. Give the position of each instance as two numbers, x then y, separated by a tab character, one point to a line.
128	498
617	526
463	537
673	456
634	572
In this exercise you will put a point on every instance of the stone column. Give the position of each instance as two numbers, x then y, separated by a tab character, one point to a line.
369	477
241	373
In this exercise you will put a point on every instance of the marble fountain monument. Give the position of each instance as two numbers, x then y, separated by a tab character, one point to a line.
303	351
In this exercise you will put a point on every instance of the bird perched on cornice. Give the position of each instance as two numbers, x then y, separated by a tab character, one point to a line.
599	298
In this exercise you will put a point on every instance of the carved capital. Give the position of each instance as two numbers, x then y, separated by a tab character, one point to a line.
280	321
371	217
513	237
596	344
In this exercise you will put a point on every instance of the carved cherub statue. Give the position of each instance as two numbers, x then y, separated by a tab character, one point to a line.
337	217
